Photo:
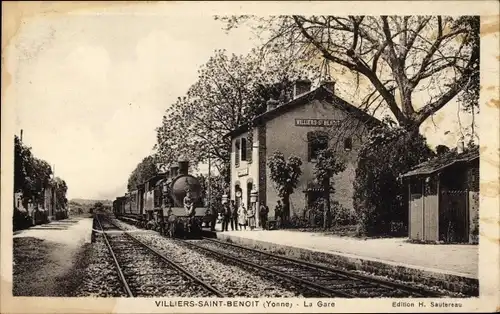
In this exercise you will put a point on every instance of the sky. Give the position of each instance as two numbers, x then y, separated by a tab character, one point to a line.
90	89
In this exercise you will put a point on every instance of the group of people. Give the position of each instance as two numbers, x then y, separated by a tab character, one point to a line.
240	217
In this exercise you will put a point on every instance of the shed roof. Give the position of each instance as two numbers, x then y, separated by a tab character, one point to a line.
442	162
321	92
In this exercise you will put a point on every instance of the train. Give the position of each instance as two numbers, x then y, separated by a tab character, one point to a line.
170	202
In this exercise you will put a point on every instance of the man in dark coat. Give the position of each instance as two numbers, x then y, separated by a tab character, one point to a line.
226	216
233	216
263	212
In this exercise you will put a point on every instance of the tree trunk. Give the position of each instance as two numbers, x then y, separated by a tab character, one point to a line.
327	209
285	215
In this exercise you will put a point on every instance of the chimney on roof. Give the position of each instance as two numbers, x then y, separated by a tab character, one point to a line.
300	87
329	84
460	146
272	104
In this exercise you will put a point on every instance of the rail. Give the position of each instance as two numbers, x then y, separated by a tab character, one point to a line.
312	270
117	265
179	268
346	274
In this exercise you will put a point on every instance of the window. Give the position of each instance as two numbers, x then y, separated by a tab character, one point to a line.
237	153
314	199
348	144
317	141
243	149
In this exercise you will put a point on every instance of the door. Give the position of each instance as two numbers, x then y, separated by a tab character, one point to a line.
454	216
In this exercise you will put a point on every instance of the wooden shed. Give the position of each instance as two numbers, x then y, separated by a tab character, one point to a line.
443	200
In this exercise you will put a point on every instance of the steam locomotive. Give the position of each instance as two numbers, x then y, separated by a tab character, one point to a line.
170	202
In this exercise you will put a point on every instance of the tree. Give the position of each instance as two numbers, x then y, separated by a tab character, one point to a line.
285	175
60	190
442	149
326	166
31	175
230	91
399	57
379	196
216	189
142	172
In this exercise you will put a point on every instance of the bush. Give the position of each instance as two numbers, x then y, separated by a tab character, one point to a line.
21	220
298	222
380	198
61	215
341	215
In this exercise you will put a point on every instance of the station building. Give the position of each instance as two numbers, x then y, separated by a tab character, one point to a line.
312	121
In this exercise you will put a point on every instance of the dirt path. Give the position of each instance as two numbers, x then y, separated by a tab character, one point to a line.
49	260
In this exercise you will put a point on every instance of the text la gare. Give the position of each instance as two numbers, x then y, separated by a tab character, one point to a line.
319	304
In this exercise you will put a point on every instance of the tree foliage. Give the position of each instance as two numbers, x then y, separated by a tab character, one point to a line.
285	175
230	91
142	172
442	149
217	189
401	58
60	190
31	175
379	196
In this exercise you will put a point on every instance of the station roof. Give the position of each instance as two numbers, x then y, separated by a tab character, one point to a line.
442	162
320	92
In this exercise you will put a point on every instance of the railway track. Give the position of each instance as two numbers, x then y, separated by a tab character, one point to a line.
145	272
325	281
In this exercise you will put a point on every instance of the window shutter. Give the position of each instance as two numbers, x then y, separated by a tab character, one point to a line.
249	147
237	153
243	147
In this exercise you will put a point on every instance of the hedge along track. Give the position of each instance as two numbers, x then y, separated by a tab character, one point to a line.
142	269
325	281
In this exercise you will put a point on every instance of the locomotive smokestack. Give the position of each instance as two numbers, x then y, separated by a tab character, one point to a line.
183	166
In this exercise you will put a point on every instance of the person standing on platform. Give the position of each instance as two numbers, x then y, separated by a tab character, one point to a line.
226	216
242	216
278	212
251	217
234	216
263	212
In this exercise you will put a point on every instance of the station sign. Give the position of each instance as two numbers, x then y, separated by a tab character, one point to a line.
316	122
